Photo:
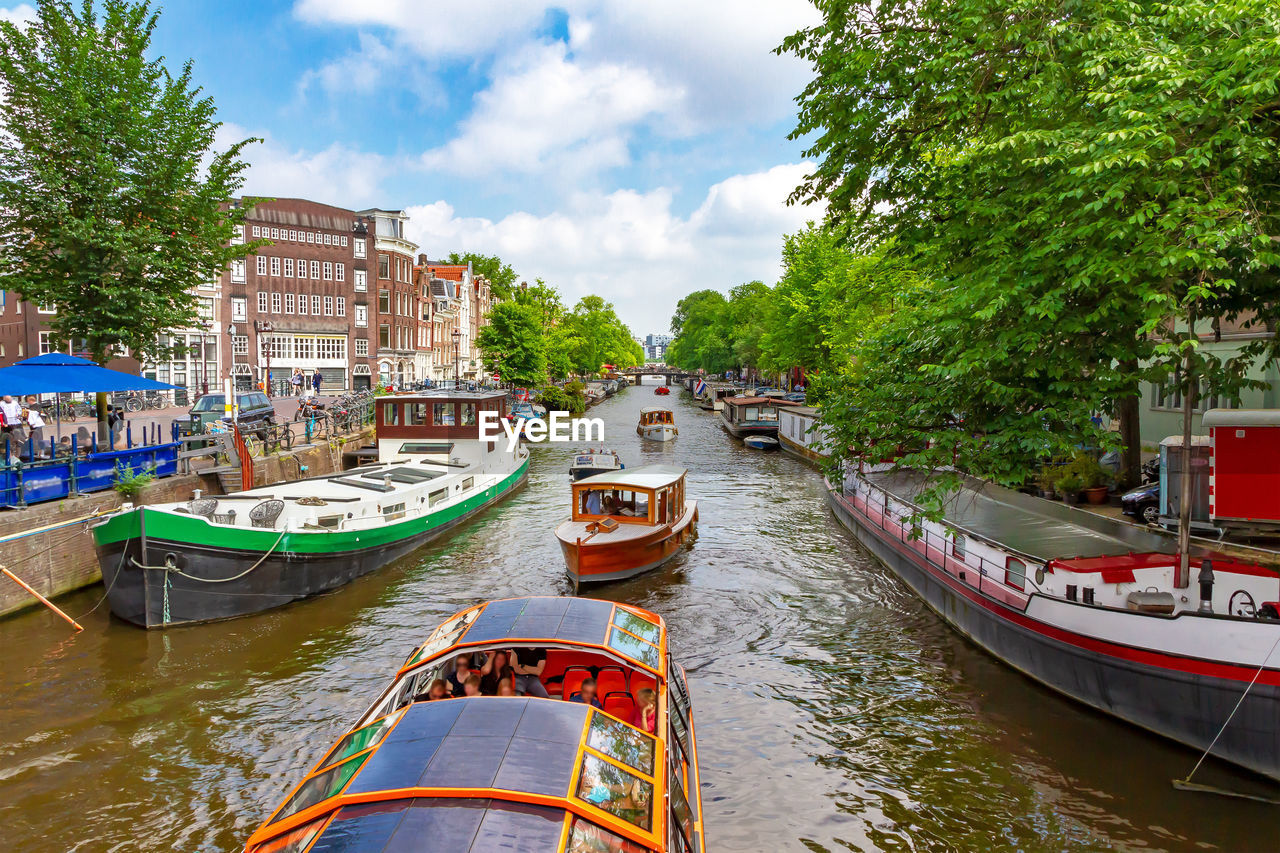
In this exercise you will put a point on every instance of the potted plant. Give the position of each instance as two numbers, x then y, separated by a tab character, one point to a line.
1070	485
1046	478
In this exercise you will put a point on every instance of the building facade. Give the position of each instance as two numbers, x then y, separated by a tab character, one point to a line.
655	347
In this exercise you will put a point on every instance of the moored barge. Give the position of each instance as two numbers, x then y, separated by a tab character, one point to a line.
1090	607
223	556
744	416
532	772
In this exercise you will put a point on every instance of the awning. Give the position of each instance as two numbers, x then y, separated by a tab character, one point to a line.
59	373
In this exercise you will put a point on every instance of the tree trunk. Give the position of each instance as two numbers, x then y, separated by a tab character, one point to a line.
1128	414
1190	386
104	430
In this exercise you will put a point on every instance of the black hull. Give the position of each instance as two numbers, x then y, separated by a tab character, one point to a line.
1183	706
140	596
744	431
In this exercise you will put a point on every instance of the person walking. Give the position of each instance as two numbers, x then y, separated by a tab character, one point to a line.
34	422
10	413
296	381
315	381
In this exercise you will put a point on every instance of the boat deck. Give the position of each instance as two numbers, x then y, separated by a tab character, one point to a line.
1035	527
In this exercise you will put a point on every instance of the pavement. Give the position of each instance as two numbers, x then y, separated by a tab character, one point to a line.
149	419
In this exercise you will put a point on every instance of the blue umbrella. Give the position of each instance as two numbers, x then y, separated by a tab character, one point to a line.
59	373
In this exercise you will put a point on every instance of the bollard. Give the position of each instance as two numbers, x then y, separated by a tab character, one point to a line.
128	436
74	465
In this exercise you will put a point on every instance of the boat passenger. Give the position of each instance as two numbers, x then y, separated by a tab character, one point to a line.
496	671
587	693
506	688
471	687
610	505
461	672
593	503
437	690
528	671
646	716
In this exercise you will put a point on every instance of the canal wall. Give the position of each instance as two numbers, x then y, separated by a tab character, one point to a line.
61	559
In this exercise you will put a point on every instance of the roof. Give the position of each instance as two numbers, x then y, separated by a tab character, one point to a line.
647	477
654	409
1176	440
804	411
754	401
1241	417
451	272
443	394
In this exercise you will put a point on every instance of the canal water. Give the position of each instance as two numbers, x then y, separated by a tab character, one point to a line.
834	712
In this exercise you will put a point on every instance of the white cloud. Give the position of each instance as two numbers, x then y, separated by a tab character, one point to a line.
631	247
22	14
337	175
543	110
433	29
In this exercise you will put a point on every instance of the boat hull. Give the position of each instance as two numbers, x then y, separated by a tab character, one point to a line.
605	562
1182	703
221	581
743	430
658	432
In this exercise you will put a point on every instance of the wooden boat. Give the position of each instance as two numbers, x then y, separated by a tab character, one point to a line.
230	555
657	424
626	523
761	442
662	390
801	434
486	773
1090	607
744	416
592	462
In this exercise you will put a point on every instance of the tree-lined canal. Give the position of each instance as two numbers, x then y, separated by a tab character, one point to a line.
834	711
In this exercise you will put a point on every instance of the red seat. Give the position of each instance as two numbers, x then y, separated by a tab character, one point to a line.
611	680
640	680
573	678
620	705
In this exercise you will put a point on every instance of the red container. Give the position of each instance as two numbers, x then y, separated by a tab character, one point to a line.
1244	467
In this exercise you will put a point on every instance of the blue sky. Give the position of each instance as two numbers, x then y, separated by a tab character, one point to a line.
634	150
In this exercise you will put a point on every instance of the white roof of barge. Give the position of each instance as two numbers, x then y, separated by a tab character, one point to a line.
647	477
1241	417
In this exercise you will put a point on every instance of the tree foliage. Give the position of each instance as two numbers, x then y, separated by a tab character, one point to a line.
111	195
702	336
1077	176
512	343
501	277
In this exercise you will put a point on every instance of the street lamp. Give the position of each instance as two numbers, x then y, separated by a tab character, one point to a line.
264	328
204	357
457	337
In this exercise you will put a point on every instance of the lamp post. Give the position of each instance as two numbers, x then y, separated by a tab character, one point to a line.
264	328
457	337
204	358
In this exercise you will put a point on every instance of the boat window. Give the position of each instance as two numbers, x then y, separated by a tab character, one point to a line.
468	414
642	628
440	447
437	497
619	792
416	414
442	414
322	786
957	545
675	676
362	738
468	483
619	741
295	840
391	414
392	512
586	837
1015	572
446	635
633	647
679	729
332	522
664	505
681	813
750	413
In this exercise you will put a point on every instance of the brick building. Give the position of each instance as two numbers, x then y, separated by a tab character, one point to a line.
397	305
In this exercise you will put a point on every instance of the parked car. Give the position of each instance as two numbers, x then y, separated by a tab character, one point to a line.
1143	503
795	397
255	410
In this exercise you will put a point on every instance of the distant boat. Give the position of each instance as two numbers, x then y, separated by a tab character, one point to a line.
662	390
626	523
657	424
744	416
594	462
761	442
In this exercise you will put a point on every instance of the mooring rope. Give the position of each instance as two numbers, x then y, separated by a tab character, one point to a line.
170	568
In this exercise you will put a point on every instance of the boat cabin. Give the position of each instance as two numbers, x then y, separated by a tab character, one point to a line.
481	772
653	416
752	415
435	423
652	495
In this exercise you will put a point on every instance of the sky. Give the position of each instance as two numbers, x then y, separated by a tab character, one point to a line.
636	150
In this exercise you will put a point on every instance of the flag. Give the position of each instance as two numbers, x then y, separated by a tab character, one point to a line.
699	388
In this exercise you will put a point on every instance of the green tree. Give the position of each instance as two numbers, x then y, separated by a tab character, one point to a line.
598	337
502	278
701	328
112	199
1077	176
512	342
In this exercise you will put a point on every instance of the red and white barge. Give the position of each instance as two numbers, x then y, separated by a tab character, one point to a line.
1090	607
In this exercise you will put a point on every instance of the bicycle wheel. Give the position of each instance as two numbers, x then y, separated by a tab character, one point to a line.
133	404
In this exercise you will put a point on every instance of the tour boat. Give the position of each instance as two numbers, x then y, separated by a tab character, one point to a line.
221	556
626	523
594	462
485	773
1091	607
657	424
761	442
662	390
744	416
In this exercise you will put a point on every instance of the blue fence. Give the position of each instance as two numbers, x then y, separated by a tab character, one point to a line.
46	471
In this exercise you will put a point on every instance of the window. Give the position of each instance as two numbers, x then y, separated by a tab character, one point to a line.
384	266
262	302
384	301
240	345
204	308
328	271
609	787
384	336
1015	573
239	309
398	311
438	497
237	271
275	266
359	247
342	306
46	343
957	546
275	303
275	233
22	349
328	306
237	237
311	236
315	270
262	264
304	347
362	316
334	349
288	303
46	308
302	303
361	280
288	267
344	239
302	268
293	235
362	346
341	272
257	231
281	347
315	305
328	239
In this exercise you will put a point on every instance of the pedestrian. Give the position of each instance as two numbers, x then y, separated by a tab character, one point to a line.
296	381
34	422
315	381
10	413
